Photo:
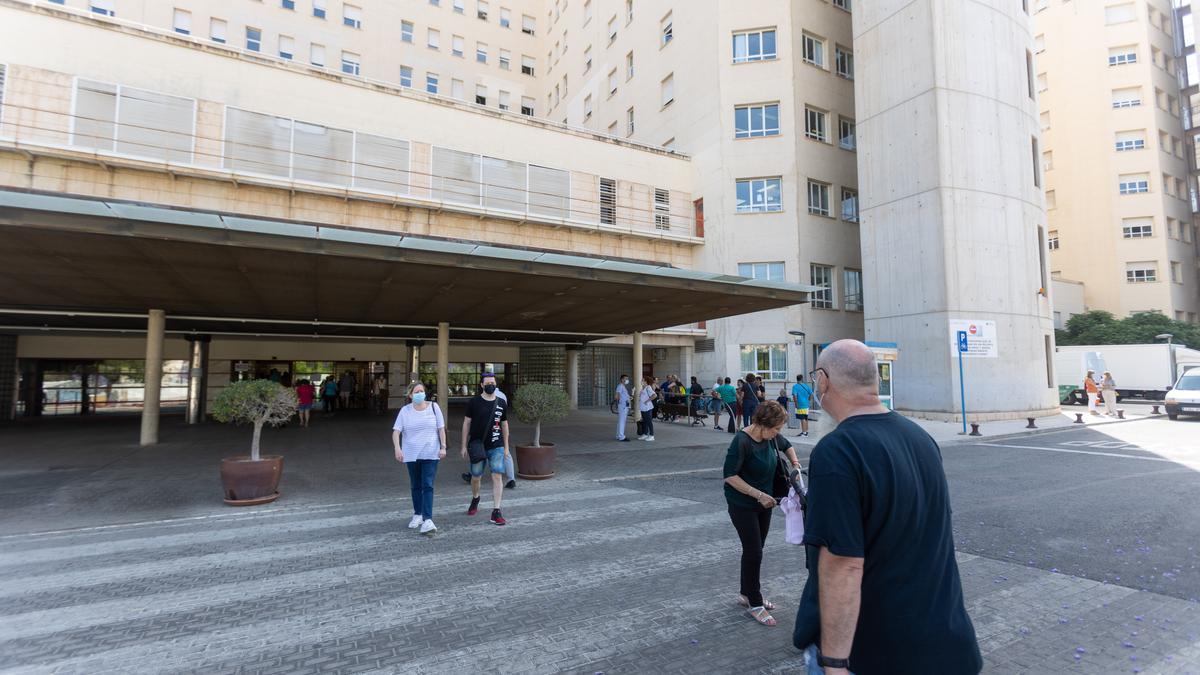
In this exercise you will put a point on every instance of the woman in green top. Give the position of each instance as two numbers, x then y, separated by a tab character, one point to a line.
748	493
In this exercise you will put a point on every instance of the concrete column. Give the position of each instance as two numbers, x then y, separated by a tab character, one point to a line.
685	365
443	366
951	201
414	360
573	375
9	377
636	375
155	327
197	377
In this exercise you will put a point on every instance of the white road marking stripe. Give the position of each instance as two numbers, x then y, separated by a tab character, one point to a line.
1079	452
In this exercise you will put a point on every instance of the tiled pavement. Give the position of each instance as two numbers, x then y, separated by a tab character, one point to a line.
597	571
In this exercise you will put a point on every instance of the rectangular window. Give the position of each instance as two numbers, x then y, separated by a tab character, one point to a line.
1141	272
352	16
456	45
288	4
1130	140
628	12
433	39
667	88
406	31
1043	82
1029	73
1037	158
818	198
852	293
351	63
1114	14
844	61
849	205
1119	56
527	65
406	74
217	30
528	24
612	81
765	271
253	39
316	55
527	106
662	209
1052	241
754	46
587	107
505	17
751	121
133	121
503	100
104	7
814	50
182	22
287	47
319	9
629	66
481	50
612	30
456	89
587	59
769	361
821	275
1130	184
480	95
505	59
1137	228
842	4
460	6
629	122
1129	97
666	30
759	195
814	125
608	201
846	134
431	83
481	10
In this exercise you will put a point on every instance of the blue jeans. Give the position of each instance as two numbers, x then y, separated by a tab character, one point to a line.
747	413
810	660
421	474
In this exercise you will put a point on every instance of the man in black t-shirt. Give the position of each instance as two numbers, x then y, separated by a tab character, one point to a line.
883	593
486	425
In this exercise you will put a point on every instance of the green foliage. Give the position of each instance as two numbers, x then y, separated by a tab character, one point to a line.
1102	328
257	402
537	403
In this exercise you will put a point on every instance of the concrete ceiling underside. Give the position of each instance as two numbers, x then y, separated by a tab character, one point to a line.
231	279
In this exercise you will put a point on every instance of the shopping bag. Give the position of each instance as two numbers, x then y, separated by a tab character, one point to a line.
793	518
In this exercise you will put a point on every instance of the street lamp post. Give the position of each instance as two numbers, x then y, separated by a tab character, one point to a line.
803	352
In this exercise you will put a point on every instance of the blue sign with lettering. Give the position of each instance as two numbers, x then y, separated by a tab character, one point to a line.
962	341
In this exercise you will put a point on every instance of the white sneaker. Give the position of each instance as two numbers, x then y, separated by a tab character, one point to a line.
641	438
648	438
415	522
427	527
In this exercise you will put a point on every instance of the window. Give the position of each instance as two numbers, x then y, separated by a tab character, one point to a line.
316	55
1130	140
527	106
1137	228
821	275
1119	56
587	107
319	9
505	59
1047	160
814	124
818	198
526	65
629	122
456	45
1052	241
351	63
666	30
433	39
754	46
1128	97
287	47
1130	184
216	30
1043	82
662	209
1039	43
852	293
1051	199
629	66
612	81
751	121
480	94
767	271
288	4
459	6
814	50
846	134
759	195
1119	13
133	121
612	128
628	12
456	89
406	31
769	361
849	205
431	83
842	4
844	61
505	17
182	22
104	7
587	59
608	201
351	16
612	30
668	90
1141	272
528	24
481	10
406	76
253	39
1029	74
481	52
1037	158
436	3
503	100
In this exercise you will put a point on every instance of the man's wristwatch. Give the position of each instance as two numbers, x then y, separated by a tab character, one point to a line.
826	662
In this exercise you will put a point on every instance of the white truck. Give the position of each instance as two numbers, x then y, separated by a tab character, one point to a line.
1141	371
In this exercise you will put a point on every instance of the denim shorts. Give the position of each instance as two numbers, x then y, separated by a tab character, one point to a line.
303	407
495	459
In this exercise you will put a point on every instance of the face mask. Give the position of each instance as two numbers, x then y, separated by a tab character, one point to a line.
418	397
625	381
489	388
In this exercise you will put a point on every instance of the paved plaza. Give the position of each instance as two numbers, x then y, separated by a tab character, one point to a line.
1078	550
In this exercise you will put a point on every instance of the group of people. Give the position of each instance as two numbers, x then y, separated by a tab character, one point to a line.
1108	386
419	440
335	395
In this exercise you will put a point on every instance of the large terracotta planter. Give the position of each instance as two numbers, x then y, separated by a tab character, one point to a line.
247	482
536	463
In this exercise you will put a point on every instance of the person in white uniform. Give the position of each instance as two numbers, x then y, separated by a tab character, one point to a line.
621	396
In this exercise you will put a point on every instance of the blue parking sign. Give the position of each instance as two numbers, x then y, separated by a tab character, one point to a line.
962	341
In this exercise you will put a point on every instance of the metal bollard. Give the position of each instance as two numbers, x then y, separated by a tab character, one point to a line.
974	430
1031	425
1120	414
1154	410
1078	418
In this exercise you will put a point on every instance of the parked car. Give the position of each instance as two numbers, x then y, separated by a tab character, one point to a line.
1184	398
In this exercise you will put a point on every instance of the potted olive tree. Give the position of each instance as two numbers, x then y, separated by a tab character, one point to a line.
534	404
253	479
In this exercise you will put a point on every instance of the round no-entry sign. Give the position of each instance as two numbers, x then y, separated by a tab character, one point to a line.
972	329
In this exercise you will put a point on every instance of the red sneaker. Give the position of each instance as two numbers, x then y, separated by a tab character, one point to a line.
497	519
474	508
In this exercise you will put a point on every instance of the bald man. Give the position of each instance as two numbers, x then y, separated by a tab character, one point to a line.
883	593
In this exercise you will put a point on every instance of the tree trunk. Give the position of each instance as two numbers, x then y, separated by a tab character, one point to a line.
537	434
254	444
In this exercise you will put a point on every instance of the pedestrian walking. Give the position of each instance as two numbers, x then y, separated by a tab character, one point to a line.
419	437
510	466
1109	388
485	444
305	393
621	396
379	394
752	464
801	393
329	393
1092	390
750	399
646	397
729	399
883	593
346	388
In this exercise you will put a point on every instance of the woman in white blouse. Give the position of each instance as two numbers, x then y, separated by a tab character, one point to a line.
423	429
